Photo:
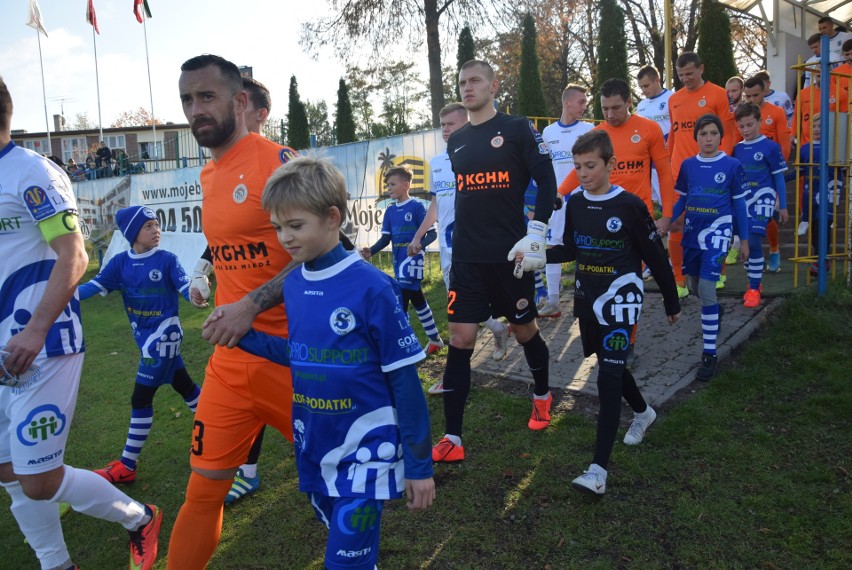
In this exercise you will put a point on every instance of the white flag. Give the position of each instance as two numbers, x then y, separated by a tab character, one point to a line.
35	21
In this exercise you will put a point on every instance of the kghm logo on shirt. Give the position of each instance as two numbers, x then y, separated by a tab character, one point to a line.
482	181
41	424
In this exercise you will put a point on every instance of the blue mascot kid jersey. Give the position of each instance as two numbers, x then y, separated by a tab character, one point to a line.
401	222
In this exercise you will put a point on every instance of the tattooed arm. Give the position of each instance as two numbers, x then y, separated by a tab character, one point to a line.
228	323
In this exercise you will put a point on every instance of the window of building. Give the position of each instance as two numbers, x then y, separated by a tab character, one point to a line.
40	146
74	147
115	141
150	150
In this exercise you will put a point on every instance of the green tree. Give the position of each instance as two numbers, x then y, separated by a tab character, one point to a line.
344	121
715	47
612	49
530	97
298	133
379	24
318	122
464	54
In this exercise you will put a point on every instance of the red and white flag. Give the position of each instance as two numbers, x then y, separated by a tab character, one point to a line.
141	9
91	17
34	20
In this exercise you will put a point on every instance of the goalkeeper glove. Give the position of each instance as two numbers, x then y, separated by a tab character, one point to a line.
200	283
532	248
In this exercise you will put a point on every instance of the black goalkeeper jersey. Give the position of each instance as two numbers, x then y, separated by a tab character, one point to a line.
493	163
610	236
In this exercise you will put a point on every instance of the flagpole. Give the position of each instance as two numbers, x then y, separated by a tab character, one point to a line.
44	95
151	94
97	85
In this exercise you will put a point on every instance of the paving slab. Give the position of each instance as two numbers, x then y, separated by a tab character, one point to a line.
667	356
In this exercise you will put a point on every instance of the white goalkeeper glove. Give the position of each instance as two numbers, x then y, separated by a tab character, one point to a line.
200	283
532	248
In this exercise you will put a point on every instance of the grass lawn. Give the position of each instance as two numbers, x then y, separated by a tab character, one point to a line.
750	472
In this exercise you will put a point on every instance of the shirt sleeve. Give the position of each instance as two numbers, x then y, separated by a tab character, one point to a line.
273	348
414	427
180	280
663	164
645	236
566	251
537	158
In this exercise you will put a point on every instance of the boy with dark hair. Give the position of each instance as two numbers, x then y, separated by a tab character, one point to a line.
374	446
763	168
150	280
400	223
712	191
610	233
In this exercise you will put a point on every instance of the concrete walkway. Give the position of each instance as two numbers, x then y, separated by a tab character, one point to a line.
667	356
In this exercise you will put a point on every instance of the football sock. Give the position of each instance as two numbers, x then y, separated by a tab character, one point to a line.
553	271
424	313
137	434
93	495
676	255
538	359
494	325
199	523
771	236
539	280
39	522
456	388
256	445
631	393
755	261
709	327
249	470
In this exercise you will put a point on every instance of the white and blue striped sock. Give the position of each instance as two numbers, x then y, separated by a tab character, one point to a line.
710	327
141	421
424	313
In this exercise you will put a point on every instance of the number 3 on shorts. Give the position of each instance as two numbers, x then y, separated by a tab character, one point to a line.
451	298
197	436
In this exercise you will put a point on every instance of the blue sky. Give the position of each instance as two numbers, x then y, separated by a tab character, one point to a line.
259	33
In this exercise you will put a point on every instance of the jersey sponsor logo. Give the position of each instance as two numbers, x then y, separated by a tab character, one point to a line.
762	203
616	340
342	321
241	252
561	155
592	242
497	141
482	181
622	302
10	224
630	165
613	224
42	423
720	177
596	269
155	275
354	553
38	204
717	235
635	138
240	193
322	404
301	352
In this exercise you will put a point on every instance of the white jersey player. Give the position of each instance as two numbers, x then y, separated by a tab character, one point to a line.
560	138
655	106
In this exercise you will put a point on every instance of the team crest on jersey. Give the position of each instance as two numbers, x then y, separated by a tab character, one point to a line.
768	120
38	203
635	138
613	224
42	423
342	321
497	141
155	275
408	216
758	156
662	105
622	302
522	304
702	103
240	193
720	177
